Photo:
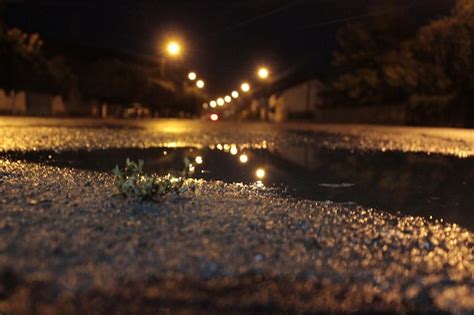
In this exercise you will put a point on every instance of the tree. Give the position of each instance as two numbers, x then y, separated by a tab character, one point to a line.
113	81
24	67
444	50
369	58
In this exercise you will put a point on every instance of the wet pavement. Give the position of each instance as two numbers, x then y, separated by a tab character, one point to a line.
433	186
285	218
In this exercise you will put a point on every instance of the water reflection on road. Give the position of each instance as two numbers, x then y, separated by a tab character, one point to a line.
414	184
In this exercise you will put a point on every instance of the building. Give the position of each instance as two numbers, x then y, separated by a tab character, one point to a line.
31	104
299	101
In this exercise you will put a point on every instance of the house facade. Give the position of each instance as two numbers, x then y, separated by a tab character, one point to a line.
31	103
295	102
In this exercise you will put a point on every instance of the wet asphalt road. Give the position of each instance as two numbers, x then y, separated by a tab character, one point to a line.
67	245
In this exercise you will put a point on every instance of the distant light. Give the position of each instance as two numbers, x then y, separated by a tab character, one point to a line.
205	105
192	76
233	150
260	173
198	159
219	147
263	73
227	99
214	117
173	48
243	158
245	87
220	101
235	94
213	104
200	84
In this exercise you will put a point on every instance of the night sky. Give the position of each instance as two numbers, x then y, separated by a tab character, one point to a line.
224	40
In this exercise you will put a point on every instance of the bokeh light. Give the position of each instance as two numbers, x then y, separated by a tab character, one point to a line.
173	48
260	173
200	84
245	87
192	76
263	73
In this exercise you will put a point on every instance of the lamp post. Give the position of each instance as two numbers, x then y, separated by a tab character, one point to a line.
172	49
263	74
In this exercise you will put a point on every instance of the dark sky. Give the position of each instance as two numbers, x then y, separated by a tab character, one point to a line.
225	40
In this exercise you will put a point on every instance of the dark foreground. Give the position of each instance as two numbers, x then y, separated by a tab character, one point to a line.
67	245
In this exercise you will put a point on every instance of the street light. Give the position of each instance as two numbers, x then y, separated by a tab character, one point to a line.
173	48
263	73
213	104
220	101
235	94
200	84
227	99
245	87
192	76
260	173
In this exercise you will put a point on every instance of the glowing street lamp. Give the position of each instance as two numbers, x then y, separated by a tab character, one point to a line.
220	101
173	48
260	173
192	76
213	104
200	84
245	87
227	99
235	94
263	73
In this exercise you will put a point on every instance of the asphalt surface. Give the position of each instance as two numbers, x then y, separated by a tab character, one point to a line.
69	245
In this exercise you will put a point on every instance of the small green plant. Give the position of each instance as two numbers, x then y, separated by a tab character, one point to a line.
132	183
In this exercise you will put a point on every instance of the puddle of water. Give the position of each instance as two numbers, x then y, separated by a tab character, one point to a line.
414	184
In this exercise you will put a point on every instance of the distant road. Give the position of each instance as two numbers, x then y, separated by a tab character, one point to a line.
51	133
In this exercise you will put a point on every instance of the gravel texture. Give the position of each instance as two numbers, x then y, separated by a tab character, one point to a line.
67	245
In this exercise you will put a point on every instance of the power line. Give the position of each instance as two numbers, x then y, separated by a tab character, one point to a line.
356	17
258	17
